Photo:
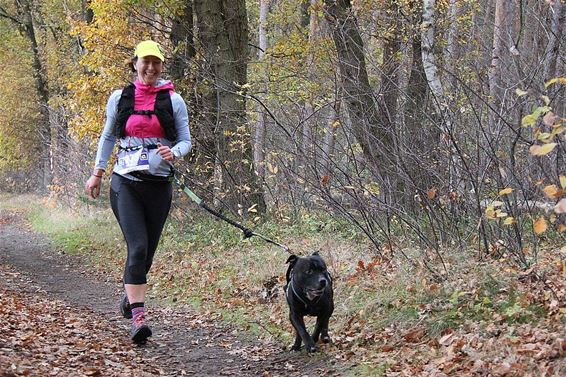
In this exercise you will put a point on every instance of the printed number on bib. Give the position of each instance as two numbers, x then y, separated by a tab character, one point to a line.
132	160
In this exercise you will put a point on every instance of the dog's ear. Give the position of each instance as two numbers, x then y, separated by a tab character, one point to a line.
292	260
315	253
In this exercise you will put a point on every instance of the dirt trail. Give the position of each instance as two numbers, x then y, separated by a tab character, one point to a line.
58	318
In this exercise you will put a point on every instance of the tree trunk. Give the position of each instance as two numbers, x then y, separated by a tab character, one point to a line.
88	14
501	43
417	91
435	84
260	127
25	22
555	39
307	142
374	138
451	51
223	33
332	123
389	92
429	60
183	42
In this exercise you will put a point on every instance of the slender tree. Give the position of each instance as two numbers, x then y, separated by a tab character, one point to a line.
261	123
24	20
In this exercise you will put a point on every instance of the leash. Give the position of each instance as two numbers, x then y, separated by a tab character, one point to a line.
201	203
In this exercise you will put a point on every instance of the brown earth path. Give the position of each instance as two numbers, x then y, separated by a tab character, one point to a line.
58	318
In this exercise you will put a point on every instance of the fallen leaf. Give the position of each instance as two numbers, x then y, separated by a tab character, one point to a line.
540	225
446	339
561	80
415	335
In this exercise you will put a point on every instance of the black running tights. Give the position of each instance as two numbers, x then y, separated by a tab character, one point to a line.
141	209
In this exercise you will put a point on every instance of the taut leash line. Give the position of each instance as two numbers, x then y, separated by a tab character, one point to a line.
247	232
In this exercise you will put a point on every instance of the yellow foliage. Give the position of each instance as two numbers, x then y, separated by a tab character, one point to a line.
550	191
540	226
509	221
108	44
561	80
18	102
541	150
505	191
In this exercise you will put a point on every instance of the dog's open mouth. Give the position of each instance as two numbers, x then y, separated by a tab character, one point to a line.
314	293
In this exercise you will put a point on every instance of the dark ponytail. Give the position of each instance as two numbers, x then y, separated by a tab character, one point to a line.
131	63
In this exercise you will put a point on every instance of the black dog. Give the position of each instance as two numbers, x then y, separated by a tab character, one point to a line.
309	292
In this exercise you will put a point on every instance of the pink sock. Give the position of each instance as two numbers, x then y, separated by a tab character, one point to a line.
138	310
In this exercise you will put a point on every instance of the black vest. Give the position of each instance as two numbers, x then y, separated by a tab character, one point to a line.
163	110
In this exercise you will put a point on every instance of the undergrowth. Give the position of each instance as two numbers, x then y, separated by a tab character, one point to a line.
379	302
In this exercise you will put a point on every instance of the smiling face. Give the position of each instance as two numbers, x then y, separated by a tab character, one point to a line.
149	69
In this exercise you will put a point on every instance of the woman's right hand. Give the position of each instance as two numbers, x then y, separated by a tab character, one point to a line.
93	186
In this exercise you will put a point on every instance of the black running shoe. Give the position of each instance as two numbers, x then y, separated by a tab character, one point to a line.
140	330
125	308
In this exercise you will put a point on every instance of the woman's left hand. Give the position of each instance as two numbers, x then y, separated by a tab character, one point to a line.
165	152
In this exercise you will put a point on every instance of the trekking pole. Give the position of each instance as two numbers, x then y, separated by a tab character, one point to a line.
247	232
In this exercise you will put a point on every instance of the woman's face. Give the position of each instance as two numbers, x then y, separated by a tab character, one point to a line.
148	69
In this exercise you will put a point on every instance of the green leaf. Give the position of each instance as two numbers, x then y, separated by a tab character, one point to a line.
531	119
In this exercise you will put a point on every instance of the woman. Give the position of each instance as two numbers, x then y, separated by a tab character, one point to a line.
151	123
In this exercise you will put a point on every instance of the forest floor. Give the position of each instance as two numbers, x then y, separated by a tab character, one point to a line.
58	318
59	315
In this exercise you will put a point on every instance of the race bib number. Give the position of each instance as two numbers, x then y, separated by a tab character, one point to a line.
132	160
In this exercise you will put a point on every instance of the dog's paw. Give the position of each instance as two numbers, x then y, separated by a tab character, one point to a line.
311	348
295	348
325	339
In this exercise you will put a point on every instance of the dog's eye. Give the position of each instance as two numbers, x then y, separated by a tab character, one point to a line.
308	272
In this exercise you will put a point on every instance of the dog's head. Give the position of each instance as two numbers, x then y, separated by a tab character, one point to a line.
309	275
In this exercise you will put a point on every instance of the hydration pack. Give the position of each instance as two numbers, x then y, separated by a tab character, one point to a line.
163	110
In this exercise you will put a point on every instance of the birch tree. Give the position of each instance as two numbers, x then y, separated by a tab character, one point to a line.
430	67
260	126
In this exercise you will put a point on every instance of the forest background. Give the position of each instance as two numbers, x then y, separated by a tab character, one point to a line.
413	142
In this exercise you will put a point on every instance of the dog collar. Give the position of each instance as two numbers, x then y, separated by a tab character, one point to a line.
296	294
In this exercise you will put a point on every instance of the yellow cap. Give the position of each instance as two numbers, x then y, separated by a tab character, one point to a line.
149	48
